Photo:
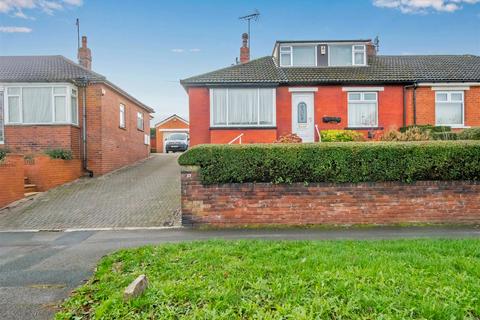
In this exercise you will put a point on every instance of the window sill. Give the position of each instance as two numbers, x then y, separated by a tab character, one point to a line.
454	126
140	130
41	124
243	128
123	128
364	128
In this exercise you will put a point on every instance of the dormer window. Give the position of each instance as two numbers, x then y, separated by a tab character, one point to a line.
298	56
347	55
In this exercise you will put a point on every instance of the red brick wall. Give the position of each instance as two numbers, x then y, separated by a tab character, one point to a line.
173	123
249	136
47	173
109	146
11	179
324	203
199	111
153	144
34	139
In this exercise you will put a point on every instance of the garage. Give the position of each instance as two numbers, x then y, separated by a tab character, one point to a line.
168	127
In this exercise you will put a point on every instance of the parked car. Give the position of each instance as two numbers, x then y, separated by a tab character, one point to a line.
177	142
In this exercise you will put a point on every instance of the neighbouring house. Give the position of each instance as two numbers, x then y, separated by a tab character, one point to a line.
167	127
50	102
304	87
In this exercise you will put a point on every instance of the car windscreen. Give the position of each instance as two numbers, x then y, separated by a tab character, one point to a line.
178	136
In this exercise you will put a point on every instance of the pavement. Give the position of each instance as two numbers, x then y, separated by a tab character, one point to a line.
146	194
39	269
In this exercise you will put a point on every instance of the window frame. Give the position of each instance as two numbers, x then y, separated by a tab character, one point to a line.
449	100
2	125
68	95
258	125
122	111
353	45
362	101
290	52
141	116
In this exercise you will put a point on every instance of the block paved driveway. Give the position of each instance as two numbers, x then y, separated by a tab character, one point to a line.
146	194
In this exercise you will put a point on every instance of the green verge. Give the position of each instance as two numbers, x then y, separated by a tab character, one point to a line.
399	279
336	162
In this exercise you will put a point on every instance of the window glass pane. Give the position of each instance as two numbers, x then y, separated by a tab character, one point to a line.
358	48
442	97
285	49
2	138
266	106
370	96
362	114
304	56
60	109
354	96
13	109
37	105
74	109
359	58
242	106
302	112
59	90
140	121
449	113
458	97
219	106
13	91
340	55
285	59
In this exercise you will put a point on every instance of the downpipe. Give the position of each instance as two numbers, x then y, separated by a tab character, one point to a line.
84	83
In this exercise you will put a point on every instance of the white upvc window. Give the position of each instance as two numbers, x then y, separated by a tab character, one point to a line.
298	56
140	125
449	108
362	109
41	104
242	107
341	55
2	118
122	116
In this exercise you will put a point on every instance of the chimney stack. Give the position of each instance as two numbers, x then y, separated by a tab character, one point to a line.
244	50
85	55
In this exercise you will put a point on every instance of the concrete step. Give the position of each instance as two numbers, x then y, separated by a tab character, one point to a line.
28	187
30	194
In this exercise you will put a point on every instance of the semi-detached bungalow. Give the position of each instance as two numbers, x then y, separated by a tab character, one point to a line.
334	84
50	102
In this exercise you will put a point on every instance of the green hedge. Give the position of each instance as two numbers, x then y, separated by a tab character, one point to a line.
341	136
469	134
427	127
60	154
336	162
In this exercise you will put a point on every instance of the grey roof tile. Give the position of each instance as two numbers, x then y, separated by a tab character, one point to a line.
380	69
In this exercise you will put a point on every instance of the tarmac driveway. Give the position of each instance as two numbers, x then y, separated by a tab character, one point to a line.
146	194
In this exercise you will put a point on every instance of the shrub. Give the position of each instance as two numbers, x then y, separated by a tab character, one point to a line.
427	127
289	138
341	136
3	153
336	162
60	154
444	135
411	134
469	134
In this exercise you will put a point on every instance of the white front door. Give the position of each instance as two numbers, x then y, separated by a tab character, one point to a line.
302	116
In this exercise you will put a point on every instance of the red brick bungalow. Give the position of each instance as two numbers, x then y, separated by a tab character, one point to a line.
49	102
335	84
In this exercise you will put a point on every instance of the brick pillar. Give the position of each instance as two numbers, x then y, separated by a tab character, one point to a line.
85	55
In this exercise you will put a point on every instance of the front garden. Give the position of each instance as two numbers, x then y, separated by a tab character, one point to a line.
401	279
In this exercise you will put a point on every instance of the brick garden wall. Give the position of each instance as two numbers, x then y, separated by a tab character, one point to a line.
11	179
325	203
47	173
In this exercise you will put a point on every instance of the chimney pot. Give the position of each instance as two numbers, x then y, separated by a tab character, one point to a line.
85	55
244	50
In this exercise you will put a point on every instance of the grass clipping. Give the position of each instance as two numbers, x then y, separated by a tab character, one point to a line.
400	279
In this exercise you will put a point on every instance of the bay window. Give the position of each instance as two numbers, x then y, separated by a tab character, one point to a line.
41	105
242	107
362	109
449	107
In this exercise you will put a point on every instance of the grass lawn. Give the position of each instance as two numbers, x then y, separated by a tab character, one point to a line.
400	279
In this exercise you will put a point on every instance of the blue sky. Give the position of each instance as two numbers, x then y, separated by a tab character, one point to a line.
146	46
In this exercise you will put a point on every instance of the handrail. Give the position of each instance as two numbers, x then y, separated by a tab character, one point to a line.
239	137
318	132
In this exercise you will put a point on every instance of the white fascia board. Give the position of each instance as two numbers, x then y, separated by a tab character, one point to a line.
303	89
362	89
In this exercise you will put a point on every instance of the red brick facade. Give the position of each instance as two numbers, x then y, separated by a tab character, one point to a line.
325	203
329	101
11	179
109	147
174	124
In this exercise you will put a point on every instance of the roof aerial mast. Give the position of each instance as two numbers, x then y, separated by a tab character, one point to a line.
254	16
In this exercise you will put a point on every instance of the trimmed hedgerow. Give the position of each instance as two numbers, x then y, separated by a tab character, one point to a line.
336	162
341	136
60	154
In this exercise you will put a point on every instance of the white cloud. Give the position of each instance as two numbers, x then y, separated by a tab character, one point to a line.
178	50
15	30
194	50
17	7
423	6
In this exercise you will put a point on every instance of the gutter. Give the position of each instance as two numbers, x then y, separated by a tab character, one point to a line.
83	83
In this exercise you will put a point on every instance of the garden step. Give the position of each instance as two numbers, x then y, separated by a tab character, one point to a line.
30	194
29	187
